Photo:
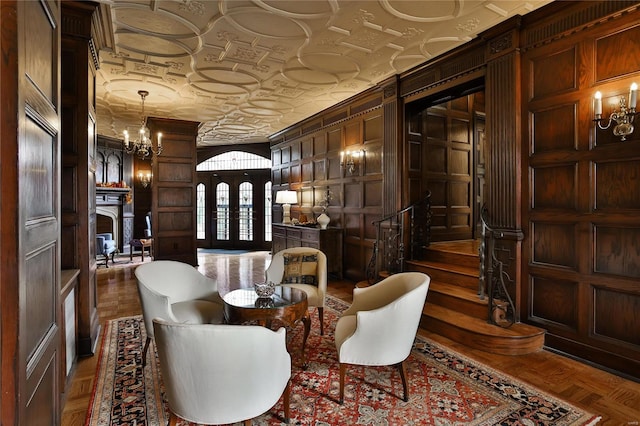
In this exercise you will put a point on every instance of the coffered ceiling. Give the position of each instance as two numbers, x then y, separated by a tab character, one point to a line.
246	69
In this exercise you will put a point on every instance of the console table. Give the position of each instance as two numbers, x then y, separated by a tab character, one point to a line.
329	241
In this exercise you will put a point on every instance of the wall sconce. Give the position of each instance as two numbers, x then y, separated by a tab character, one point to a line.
350	160
623	118
144	179
286	198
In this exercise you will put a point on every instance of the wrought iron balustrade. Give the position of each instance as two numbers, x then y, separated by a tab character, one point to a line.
400	236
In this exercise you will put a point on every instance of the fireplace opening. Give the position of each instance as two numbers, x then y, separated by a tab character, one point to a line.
104	224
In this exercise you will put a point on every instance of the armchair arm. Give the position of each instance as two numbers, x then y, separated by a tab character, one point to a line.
367	299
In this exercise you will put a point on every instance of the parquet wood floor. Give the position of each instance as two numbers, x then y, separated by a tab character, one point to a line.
615	399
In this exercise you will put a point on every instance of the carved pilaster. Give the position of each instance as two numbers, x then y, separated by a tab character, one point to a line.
503	135
391	156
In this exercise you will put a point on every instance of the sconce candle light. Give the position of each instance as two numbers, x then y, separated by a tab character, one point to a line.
623	118
350	160
143	145
286	198
144	179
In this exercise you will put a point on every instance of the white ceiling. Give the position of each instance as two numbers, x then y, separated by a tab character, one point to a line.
248	69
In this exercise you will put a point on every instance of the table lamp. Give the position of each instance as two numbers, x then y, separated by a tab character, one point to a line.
286	198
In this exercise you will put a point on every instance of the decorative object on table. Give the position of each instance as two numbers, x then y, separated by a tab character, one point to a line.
264	290
264	303
286	198
302	218
323	219
479	393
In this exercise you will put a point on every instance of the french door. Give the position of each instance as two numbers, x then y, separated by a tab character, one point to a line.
234	209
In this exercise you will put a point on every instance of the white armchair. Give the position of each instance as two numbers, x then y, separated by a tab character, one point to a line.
176	292
221	374
381	324
316	292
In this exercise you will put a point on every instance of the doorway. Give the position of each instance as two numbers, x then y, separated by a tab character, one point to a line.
446	146
234	209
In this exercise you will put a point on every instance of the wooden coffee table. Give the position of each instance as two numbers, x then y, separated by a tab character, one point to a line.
286	307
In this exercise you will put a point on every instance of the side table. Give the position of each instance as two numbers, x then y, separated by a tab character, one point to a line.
141	244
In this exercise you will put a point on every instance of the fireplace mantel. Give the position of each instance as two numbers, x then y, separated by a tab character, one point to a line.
111	196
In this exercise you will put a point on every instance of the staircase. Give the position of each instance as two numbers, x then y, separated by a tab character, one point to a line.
453	308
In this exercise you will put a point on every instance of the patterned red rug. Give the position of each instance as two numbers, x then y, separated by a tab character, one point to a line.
446	388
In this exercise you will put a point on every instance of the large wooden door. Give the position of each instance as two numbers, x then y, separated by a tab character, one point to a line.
235	209
30	210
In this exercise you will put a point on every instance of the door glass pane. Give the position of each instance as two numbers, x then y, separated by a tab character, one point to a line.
200	216
222	212
267	211
246	211
234	160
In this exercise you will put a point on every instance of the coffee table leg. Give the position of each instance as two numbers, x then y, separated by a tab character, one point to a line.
306	320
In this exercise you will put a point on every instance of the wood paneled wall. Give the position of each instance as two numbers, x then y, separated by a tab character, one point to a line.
582	196
307	159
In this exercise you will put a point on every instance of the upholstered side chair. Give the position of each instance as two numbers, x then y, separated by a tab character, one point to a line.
106	246
380	326
222	374
176	292
304	268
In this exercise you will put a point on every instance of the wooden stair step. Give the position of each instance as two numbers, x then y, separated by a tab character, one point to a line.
463	276
519	339
471	260
457	298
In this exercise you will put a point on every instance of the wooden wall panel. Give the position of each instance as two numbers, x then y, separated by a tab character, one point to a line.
319	170
617	251
617	185
307	172
173	186
554	129
554	244
555	187
563	78
551	301
372	194
612	312
616	54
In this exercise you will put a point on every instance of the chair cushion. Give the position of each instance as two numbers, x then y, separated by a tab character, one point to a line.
198	312
300	268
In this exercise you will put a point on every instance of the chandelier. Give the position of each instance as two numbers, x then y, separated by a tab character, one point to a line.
142	146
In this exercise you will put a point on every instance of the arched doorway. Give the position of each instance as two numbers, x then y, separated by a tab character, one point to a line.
234	202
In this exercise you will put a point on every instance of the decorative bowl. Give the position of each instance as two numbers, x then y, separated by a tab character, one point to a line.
265	289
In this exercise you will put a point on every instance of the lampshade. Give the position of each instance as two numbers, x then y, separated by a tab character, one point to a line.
286	197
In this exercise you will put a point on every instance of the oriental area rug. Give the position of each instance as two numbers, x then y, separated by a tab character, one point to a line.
445	387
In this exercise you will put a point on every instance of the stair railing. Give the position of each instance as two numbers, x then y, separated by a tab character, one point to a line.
501	309
395	239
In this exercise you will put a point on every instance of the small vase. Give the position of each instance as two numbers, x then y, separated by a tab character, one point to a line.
323	220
